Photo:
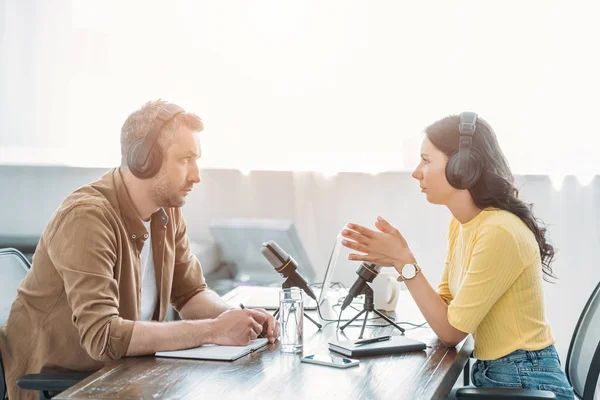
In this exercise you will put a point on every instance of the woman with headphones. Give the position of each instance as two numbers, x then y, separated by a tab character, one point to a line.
491	286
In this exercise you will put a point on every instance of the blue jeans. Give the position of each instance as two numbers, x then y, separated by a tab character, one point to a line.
524	369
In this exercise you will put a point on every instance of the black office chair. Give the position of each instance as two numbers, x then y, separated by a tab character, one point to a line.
26	244
582	367
13	269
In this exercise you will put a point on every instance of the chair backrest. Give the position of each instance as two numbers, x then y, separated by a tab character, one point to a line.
583	358
13	268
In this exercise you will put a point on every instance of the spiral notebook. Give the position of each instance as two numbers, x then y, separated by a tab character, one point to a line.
215	352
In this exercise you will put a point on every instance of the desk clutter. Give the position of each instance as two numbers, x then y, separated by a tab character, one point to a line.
383	345
350	348
295	296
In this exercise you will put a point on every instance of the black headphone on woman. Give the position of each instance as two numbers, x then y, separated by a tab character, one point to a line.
144	157
464	167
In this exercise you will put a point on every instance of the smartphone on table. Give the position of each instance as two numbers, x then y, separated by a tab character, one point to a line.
330	360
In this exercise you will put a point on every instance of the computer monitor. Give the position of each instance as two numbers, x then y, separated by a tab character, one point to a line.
333	259
240	241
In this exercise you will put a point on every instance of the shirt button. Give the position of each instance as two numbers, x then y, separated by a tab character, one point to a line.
145	236
133	236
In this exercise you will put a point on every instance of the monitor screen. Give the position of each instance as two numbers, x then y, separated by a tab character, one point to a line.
333	259
240	241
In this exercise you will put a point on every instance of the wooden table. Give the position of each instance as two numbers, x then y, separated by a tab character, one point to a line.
270	374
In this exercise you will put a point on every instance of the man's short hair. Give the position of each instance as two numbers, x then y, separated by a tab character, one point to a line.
138	124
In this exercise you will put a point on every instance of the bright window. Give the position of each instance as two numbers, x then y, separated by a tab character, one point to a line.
317	85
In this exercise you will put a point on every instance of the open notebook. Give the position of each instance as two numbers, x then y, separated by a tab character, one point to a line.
215	352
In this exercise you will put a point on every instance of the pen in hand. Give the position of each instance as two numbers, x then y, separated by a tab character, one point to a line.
243	308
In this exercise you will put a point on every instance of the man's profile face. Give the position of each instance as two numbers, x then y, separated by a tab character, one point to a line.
179	170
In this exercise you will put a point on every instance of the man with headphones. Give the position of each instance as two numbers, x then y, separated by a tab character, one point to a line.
114	256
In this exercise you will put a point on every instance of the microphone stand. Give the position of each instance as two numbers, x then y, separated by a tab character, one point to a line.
288	284
367	308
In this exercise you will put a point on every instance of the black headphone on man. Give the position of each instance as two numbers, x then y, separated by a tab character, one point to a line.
464	167
144	157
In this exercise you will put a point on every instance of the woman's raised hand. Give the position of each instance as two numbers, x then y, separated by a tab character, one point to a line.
386	246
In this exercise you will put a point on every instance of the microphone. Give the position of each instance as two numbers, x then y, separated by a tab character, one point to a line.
366	273
285	265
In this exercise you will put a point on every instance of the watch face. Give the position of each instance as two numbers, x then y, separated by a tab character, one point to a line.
409	271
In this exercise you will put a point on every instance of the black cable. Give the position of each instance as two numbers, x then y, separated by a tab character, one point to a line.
388	324
376	317
357	300
413	325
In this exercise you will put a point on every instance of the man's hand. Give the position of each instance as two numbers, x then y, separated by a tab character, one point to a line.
237	327
271	327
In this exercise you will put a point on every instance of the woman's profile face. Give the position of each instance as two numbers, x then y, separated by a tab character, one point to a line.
431	174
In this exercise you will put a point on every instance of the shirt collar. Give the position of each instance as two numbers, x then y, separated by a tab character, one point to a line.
133	223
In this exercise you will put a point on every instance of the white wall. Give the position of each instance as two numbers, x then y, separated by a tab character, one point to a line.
321	206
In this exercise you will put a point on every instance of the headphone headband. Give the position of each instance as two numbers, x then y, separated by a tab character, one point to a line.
165	115
468	121
466	128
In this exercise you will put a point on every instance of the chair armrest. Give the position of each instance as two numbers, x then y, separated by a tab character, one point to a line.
51	382
503	393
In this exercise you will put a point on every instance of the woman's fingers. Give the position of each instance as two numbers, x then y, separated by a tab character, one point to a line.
361	257
357	237
381	227
362	230
385	226
355	246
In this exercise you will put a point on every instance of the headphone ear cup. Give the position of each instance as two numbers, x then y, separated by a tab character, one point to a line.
452	175
475	169
458	181
150	167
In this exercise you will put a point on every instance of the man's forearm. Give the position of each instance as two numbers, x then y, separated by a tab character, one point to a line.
148	337
206	304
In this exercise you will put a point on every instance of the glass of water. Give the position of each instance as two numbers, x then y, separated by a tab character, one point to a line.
291	318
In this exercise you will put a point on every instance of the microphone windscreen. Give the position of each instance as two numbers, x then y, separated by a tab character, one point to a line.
274	254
